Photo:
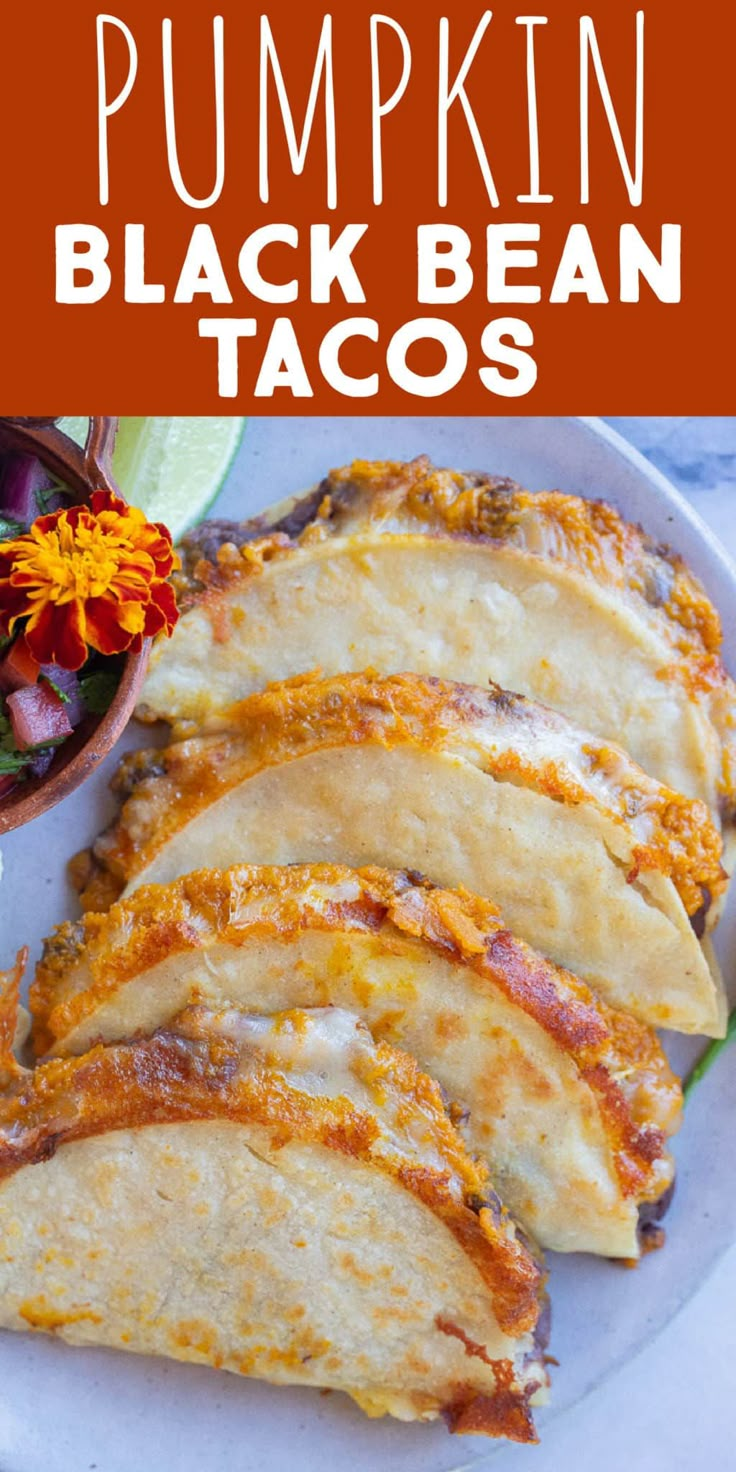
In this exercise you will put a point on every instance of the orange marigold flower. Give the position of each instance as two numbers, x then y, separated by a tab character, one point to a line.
88	577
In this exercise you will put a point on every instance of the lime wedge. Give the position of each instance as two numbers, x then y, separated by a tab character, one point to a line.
171	466
76	427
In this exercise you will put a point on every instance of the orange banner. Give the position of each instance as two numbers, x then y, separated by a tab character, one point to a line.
279	209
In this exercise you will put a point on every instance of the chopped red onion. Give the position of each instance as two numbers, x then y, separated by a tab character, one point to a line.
21	478
68	683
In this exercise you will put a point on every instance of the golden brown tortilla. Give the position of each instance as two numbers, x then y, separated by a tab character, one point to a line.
570	1101
278	1197
406	567
589	860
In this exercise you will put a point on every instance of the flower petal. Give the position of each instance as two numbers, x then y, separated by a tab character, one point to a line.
13	603
88	576
163	597
105	631
101	501
55	635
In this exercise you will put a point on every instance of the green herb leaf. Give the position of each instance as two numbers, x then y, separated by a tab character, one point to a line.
12	762
709	1057
57	689
11	759
97	690
10	529
45	497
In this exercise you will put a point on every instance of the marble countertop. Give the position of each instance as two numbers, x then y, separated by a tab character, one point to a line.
669	1410
699	456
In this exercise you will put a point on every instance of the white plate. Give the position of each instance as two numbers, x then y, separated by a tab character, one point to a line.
63	1409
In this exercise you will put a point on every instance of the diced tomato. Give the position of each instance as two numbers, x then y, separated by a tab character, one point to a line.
18	668
7	783
37	716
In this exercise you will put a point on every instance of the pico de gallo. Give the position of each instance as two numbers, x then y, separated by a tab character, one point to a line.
80	586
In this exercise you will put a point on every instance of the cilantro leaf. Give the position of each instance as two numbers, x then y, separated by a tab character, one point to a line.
12	762
10	529
97	690
47	494
57	689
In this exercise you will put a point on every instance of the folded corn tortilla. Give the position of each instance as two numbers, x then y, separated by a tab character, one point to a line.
400	566
279	1197
592	862
570	1102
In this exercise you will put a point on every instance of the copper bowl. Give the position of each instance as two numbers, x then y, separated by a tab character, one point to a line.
83	471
